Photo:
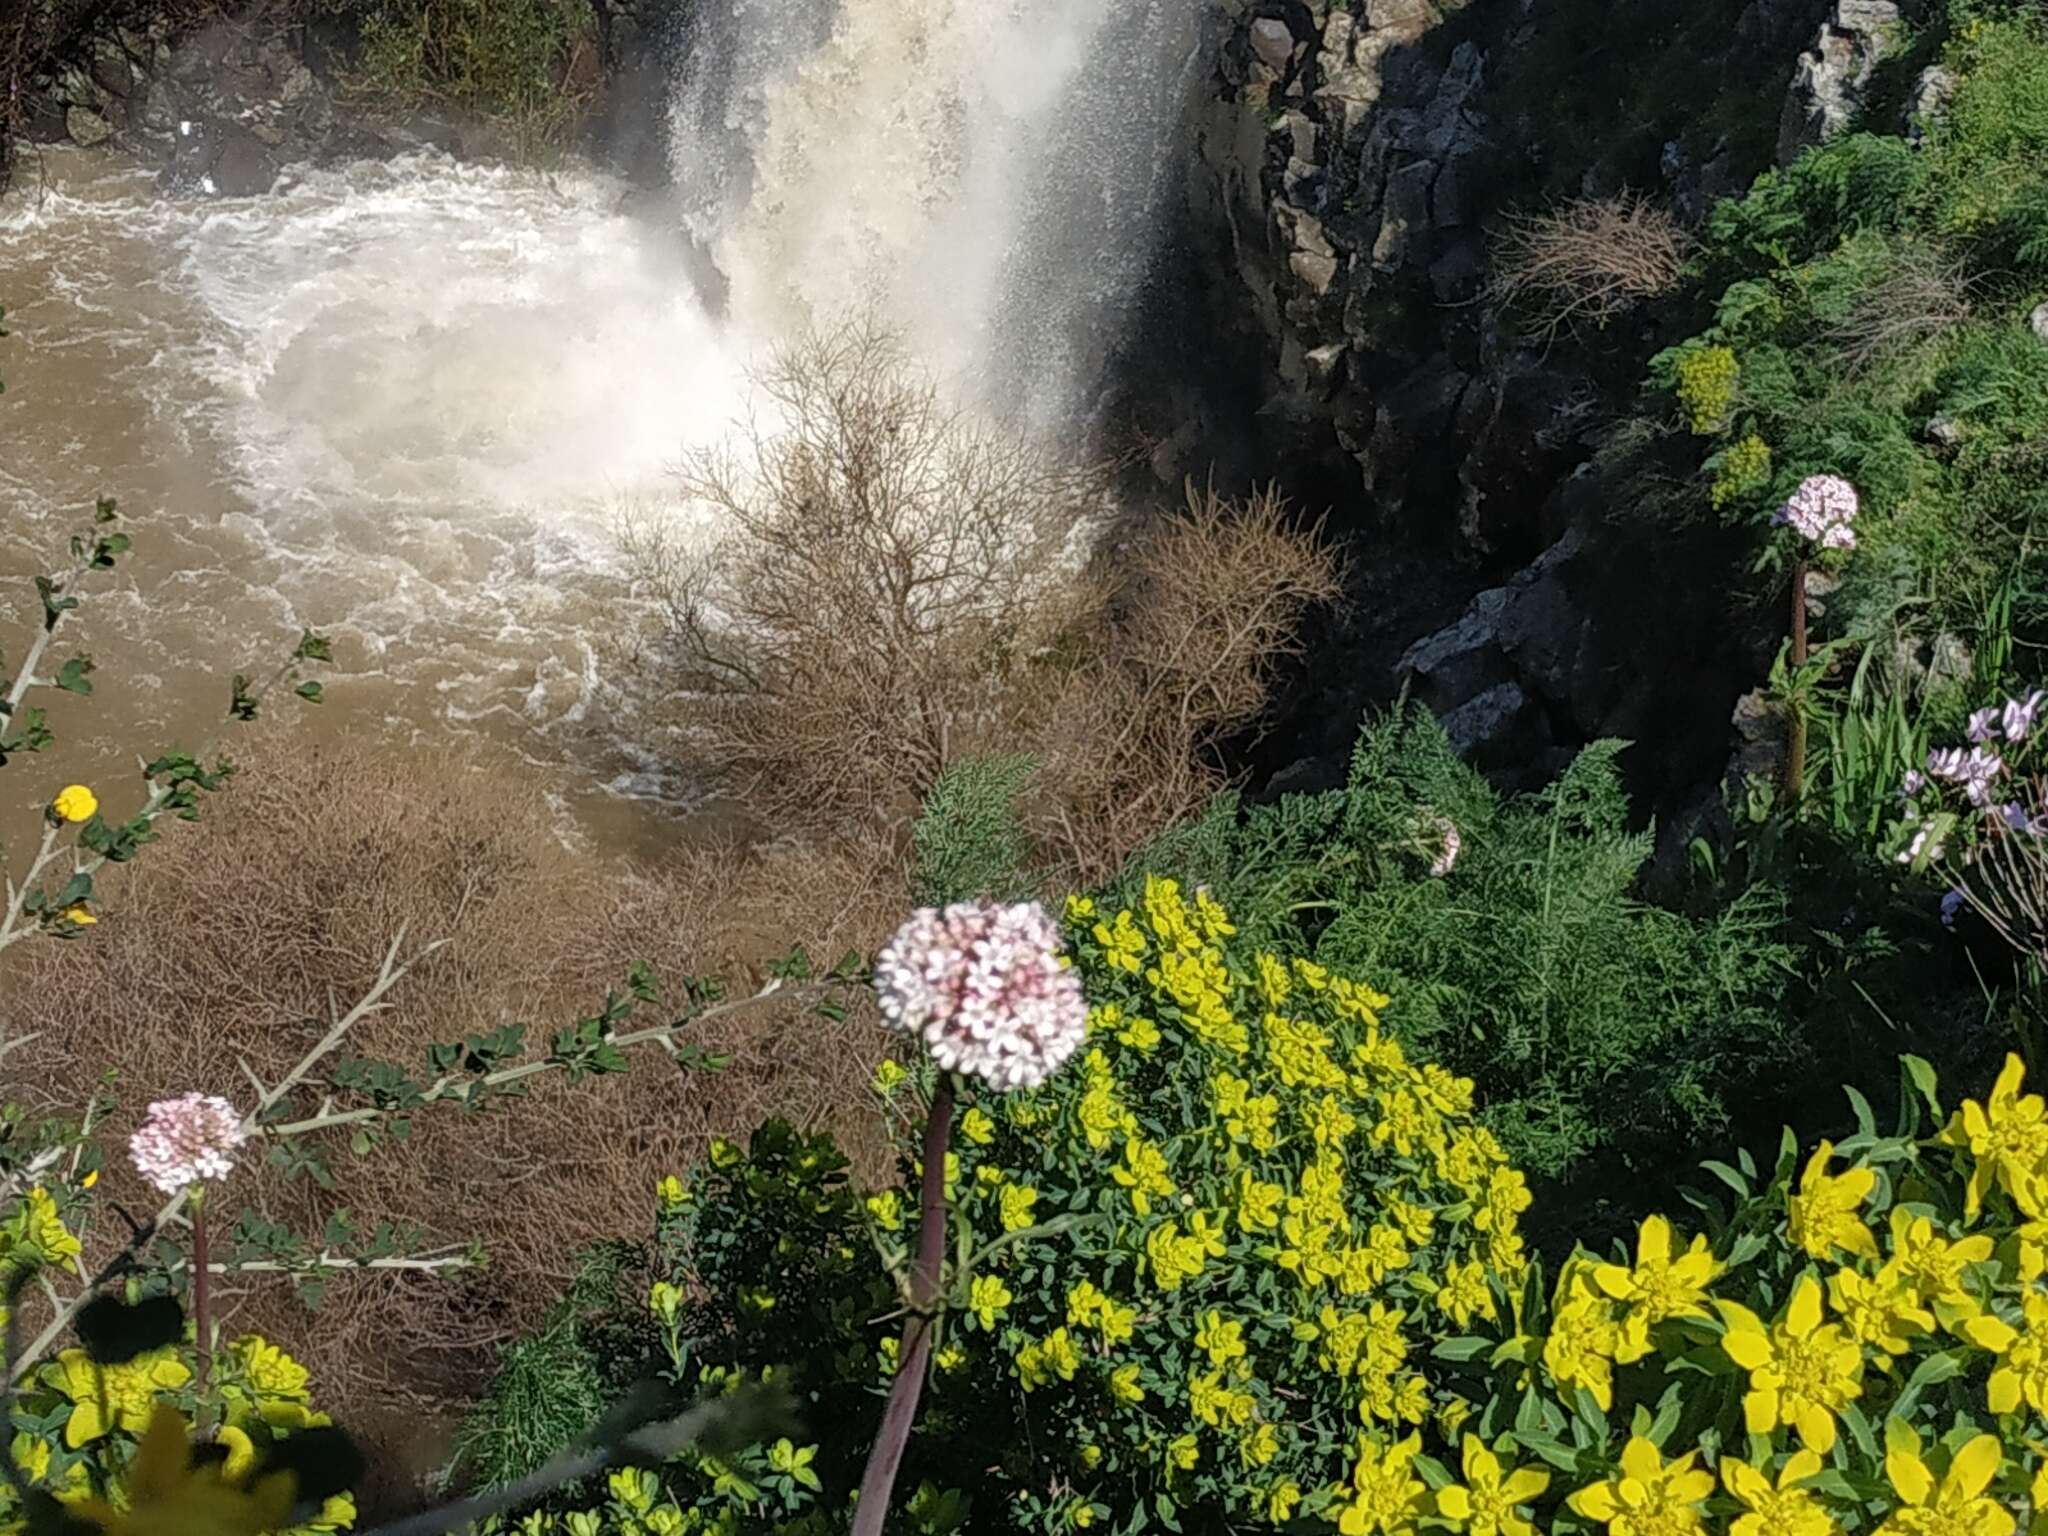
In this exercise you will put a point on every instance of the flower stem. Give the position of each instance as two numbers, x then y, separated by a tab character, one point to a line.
1795	731
878	1482
202	1320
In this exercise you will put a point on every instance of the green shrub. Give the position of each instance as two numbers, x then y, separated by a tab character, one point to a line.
1590	1019
968	840
1194	1263
503	59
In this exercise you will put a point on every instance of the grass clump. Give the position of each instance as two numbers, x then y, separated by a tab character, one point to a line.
511	61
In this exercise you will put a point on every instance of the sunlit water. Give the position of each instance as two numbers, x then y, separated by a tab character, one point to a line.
402	402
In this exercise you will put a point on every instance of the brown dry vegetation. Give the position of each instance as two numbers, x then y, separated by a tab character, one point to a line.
902	587
228	940
1923	293
1587	260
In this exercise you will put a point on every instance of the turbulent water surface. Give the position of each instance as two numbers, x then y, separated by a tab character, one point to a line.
403	401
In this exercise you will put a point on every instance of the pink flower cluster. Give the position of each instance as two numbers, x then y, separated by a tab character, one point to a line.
1821	511
986	989
1449	845
185	1140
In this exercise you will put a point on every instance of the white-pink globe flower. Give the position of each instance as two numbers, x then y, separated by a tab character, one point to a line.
986	989
185	1140
1821	510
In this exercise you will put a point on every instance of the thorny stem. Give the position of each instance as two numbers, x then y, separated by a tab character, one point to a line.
389	975
878	1482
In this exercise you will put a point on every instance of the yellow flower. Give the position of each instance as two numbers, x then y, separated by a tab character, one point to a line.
887	1210
1780	1509
78	915
1017	1201
1258	1203
1487	1503
1282	1500
2007	1136
170	1494
112	1396
664	1300
74	802
1123	944
1139	1034
1954	1507
1214	920
1080	908
1083	1516
1054	1355
1259	1446
42	1229
2022	1372
987	1297
1465	1294
1387	1498
1221	1338
269	1371
1184	1452
1123	1385
889	1076
670	1193
1143	1174
32	1455
1659	1286
1801	1372
1583	1338
977	1127
1934	1266
1174	1258
1823	1215
1880	1311
951	1358
1649	1497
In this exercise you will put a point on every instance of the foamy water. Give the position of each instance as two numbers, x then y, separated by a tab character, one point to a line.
402	402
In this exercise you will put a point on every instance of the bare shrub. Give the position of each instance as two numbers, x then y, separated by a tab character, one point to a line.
229	941
1201	614
900	587
1922	293
1587	260
884	565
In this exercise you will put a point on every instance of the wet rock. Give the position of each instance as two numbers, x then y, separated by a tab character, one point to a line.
86	128
111	70
1272	41
1928	104
1830	79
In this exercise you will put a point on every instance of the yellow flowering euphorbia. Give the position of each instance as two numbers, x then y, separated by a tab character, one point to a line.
1802	1371
1648	1496
1489	1502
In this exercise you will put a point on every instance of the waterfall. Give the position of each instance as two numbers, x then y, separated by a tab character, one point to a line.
985	176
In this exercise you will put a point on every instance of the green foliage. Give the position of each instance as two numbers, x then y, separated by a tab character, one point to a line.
1589	1018
969	842
504	59
1184	1272
551	1385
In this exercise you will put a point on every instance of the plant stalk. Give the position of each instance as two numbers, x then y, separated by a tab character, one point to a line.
202	1315
1795	725
878	1482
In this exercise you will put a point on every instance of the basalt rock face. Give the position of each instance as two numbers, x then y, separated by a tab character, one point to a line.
1355	164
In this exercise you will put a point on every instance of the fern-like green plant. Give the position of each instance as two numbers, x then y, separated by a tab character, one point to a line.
1591	1020
969	842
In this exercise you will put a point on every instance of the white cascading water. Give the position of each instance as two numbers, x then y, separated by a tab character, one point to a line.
402	401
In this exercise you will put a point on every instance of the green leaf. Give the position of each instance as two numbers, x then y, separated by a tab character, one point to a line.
310	692
1728	1176
1465	1347
72	676
1922	1077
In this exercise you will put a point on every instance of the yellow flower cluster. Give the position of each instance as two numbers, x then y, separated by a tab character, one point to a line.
1241	1127
1707	378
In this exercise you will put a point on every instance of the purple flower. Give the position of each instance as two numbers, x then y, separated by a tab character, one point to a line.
2017	818
2019	717
1983	724
987	990
185	1140
1821	511
1951	904
1945	762
1914	782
